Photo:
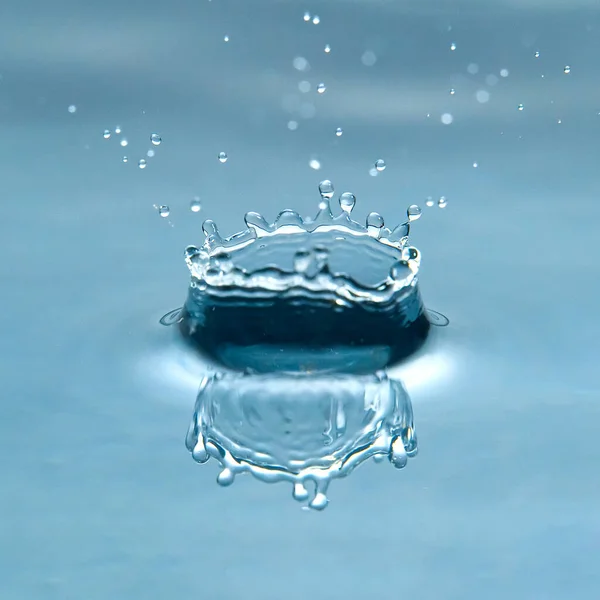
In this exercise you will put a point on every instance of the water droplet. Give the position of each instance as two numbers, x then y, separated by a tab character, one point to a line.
319	502
520	107
321	88
155	139
72	108
125	159
301	64
106	134
475	165
223	157
164	210
339	131
313	163
413	212
124	143
442	202
326	189
347	202
504	73
447	119
195	204
300	493
292	125
537	54
374	223
380	165
429	201
452	91
316	20
226	477
150	153
118	129
327	48
226	38
369	58
482	96
142	163
373	172
307	16
452	46
567	69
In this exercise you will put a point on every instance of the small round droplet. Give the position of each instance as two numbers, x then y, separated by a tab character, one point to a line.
321	88
504	73
225	477
118	129
380	165
319	502
72	108
452	91
226	38
375	221
327	48
452	46
520	107
106	134
124	142
413	212
195	204
164	211
292	125
347	202
537	54
475	165
339	132
447	119
315	164
429	201
307	16
155	139
326	189
442	202
316	20
142	163
125	159
567	69
223	157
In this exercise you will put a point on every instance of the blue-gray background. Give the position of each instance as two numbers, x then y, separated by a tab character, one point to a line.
98	497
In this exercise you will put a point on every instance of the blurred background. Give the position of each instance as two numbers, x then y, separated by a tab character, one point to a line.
494	106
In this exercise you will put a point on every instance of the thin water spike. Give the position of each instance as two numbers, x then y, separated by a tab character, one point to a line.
211	231
400	233
226	477
257	223
288	217
300	493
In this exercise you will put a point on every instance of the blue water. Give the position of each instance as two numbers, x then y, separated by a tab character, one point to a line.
99	497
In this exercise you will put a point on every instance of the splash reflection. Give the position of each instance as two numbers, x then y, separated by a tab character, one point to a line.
307	430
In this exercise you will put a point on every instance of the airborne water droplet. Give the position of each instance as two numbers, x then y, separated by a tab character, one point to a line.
520	107
321	88
327	48
125	159
124	142
316	20
452	91
442	202
118	129
347	202
195	204
226	38
452	46
380	165
142	163
413	212
339	131
326	189
567	69
106	134
72	108
537	54
307	16
164	210
155	139
429	201
223	157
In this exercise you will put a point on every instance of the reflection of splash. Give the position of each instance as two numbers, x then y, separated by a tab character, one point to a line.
300	429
